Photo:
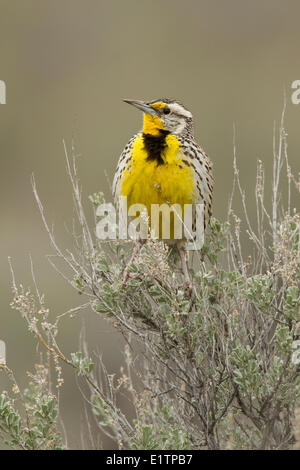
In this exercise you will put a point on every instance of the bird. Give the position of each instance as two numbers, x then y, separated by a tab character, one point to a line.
162	163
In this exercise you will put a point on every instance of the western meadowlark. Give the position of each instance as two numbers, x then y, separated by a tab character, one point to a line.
163	164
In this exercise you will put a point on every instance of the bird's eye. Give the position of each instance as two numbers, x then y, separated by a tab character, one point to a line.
166	110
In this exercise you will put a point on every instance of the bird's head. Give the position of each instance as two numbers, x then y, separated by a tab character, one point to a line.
164	115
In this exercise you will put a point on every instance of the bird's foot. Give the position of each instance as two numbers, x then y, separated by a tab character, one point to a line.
188	286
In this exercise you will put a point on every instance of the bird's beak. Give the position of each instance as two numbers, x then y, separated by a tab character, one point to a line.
146	108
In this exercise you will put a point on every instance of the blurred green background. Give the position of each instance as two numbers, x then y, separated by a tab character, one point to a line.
67	64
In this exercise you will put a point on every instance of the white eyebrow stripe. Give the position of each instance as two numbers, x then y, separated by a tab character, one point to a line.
180	110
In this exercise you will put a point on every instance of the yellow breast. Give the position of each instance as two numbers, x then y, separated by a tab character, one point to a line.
146	182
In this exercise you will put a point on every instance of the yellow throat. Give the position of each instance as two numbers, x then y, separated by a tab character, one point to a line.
153	124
